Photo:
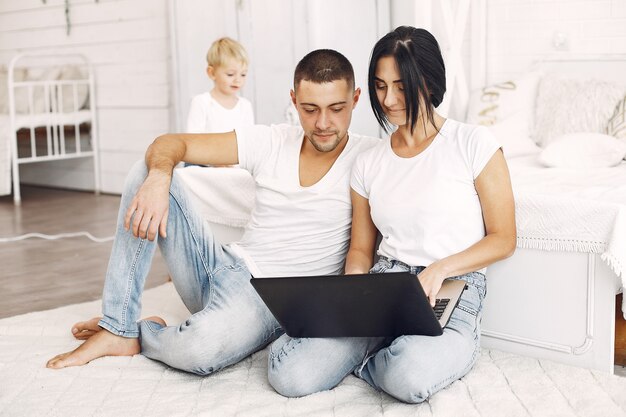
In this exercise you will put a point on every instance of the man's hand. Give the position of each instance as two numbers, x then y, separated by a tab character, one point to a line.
150	207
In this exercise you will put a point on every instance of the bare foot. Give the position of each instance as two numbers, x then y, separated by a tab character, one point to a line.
83	330
102	343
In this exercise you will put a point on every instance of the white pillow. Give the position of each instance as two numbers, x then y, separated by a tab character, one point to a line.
71	72
494	103
512	133
617	123
569	105
19	74
583	150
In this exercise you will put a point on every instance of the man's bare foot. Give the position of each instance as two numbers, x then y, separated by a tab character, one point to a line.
102	343
83	330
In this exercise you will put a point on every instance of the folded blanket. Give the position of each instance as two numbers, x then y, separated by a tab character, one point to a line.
223	195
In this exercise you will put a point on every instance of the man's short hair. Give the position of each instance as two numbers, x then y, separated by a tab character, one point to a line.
323	66
224	49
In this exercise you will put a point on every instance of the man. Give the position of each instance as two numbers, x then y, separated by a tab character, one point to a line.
300	226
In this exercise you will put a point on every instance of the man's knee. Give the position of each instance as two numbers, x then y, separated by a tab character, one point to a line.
183	348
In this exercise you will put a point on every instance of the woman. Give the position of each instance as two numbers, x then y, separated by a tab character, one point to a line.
439	193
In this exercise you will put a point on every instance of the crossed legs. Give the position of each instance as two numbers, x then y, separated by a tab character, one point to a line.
409	368
228	322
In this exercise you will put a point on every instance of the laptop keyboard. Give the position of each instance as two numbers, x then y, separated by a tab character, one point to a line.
440	306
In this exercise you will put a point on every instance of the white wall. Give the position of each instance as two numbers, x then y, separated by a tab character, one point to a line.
128	43
522	31
276	34
428	14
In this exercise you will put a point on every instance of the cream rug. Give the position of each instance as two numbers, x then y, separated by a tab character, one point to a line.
501	384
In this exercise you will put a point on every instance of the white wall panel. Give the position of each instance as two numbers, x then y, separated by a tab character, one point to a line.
277	34
522	32
127	42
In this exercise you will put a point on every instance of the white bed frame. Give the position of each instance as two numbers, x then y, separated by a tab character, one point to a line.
552	305
54	119
557	305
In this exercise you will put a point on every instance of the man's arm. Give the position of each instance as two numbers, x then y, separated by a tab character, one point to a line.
147	213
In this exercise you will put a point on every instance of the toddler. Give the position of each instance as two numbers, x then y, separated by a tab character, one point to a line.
221	109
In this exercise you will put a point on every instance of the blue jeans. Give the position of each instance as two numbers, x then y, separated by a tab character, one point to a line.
409	368
229	321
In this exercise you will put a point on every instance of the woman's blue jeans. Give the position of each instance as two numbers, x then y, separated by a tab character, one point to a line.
228	319
409	368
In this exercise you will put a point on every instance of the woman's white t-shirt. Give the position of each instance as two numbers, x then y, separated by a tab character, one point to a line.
206	115
426	207
295	230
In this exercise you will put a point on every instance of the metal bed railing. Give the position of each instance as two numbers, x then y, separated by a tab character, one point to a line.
53	116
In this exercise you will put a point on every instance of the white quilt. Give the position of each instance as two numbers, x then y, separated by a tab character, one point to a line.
572	210
500	385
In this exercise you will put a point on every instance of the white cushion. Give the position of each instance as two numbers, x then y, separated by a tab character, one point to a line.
569	105
22	105
512	133
494	103
583	150
617	123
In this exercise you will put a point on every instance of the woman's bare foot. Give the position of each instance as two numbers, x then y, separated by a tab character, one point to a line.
101	343
83	330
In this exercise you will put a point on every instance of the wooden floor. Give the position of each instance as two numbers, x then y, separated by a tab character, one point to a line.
37	274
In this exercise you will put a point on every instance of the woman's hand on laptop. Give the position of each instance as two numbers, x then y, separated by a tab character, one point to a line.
431	279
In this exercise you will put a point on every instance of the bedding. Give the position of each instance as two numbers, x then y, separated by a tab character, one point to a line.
567	104
617	123
514	136
583	151
496	102
571	210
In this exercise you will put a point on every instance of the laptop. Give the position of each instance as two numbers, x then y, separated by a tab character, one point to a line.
363	305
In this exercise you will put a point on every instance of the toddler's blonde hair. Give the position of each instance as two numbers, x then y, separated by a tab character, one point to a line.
226	48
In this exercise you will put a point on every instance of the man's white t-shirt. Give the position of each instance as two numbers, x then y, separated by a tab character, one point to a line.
206	115
426	207
295	230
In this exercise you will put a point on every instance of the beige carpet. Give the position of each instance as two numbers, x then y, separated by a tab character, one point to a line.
501	384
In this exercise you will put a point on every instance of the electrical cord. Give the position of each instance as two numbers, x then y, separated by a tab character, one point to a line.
55	237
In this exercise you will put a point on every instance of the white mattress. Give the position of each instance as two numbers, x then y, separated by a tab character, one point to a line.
579	210
529	176
501	384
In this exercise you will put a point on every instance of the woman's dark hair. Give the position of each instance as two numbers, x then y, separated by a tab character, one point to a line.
422	71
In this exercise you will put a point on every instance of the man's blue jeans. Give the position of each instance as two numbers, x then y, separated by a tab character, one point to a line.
228	322
410	368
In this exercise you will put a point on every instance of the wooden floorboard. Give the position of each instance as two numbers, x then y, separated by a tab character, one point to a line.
37	274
